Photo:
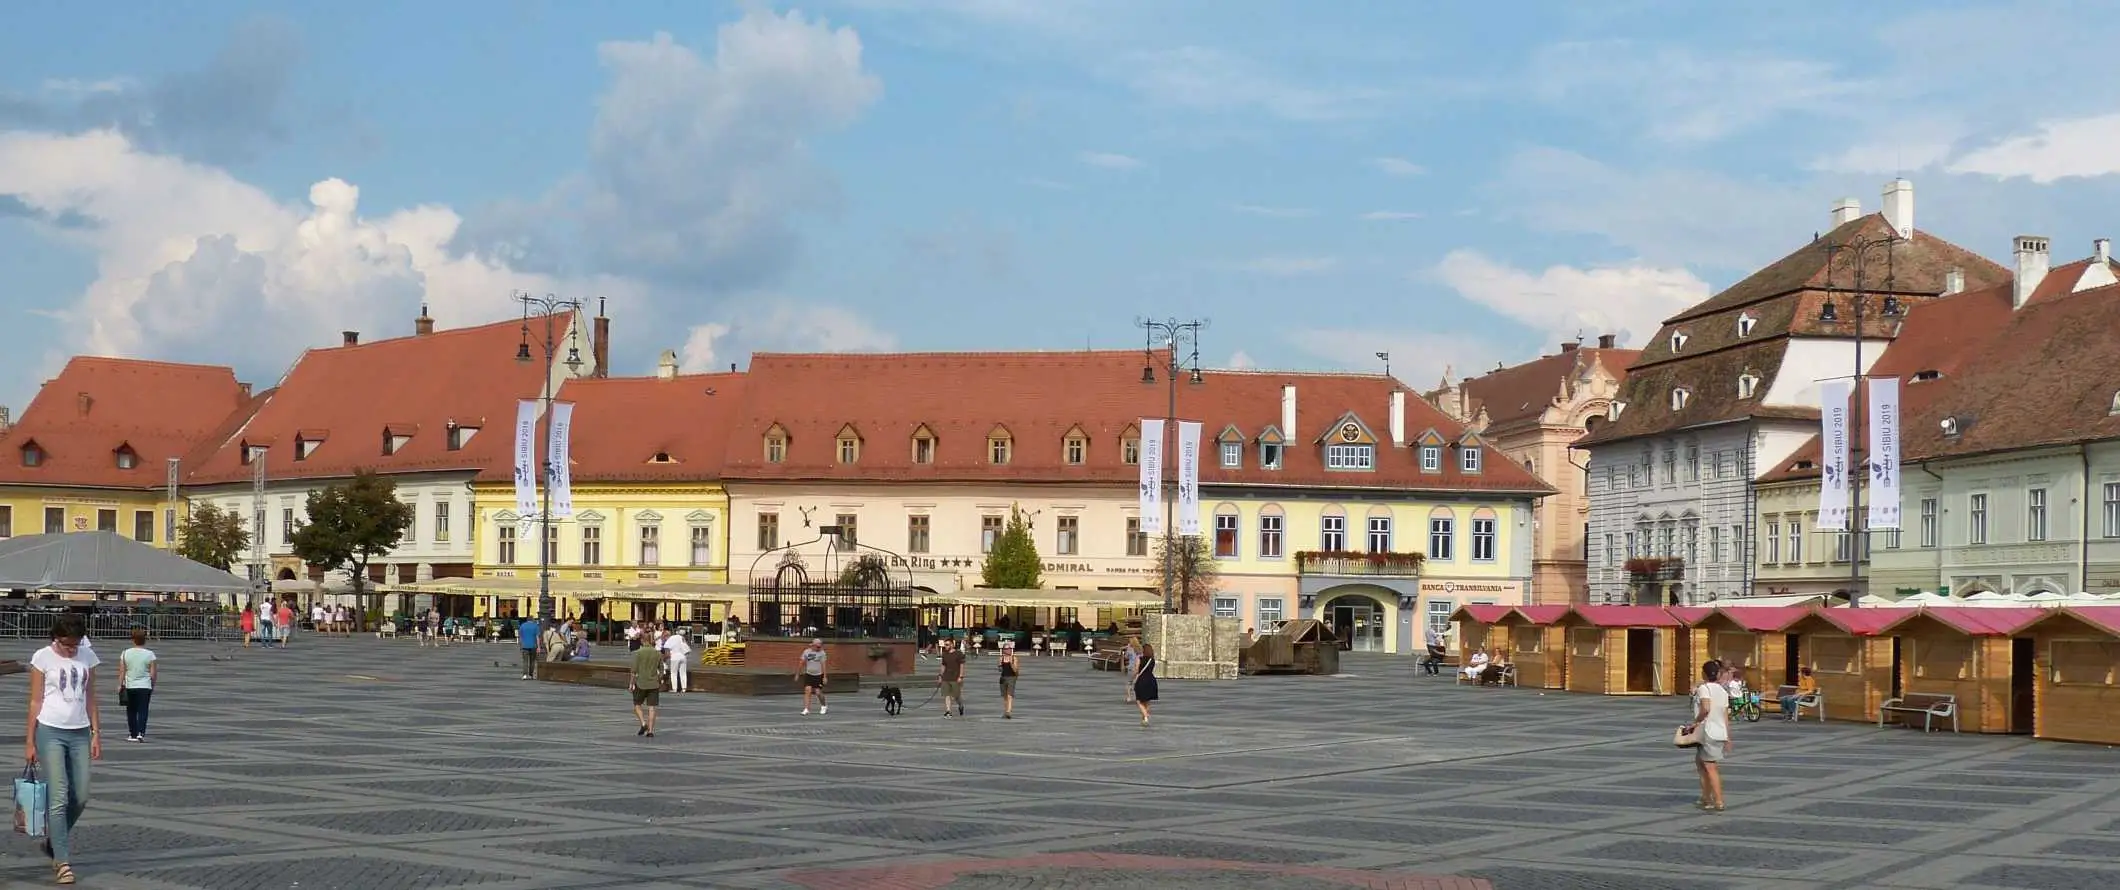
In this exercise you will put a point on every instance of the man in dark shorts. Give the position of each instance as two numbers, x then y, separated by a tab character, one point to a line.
812	677
952	679
647	687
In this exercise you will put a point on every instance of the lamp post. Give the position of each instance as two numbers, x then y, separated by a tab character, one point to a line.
1176	335
548	306
1858	544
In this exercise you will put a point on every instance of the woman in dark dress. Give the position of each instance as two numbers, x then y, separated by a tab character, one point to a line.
1145	681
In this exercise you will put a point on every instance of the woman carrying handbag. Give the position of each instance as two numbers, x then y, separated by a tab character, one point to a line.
64	733
1709	733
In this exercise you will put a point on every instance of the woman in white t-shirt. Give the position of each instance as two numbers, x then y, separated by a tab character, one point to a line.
64	733
1711	713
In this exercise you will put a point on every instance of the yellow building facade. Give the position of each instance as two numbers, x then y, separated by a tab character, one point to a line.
621	541
143	516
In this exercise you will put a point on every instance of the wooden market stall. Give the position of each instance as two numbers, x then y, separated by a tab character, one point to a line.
1476	629
1686	659
1537	643
1301	646
1975	654
1753	639
1853	655
1621	650
2077	691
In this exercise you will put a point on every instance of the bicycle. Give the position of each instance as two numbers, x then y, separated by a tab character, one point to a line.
1746	707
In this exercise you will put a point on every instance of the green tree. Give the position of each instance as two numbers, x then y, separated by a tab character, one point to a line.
1190	568
867	570
212	536
350	525
1013	564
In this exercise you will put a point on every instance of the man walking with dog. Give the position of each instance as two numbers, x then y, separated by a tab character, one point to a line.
951	679
812	676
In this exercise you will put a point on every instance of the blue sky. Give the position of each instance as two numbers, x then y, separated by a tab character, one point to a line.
1456	184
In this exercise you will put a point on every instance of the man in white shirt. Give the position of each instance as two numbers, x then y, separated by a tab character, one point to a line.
679	651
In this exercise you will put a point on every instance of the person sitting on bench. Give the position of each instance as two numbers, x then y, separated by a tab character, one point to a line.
1806	685
1438	649
1472	668
1491	675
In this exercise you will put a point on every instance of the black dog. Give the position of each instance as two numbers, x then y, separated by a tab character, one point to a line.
893	700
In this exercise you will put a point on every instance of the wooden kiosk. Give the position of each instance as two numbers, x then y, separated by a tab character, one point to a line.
1752	638
1537	643
1686	657
1852	655
1621	650
1476	629
2077	658
1973	653
1301	646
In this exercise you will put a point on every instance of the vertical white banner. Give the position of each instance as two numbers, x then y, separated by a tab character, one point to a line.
1189	478
562	481
1884	453
1151	477
1833	410
526	457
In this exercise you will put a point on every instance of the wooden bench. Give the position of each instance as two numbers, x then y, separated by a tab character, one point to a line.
1815	701
1928	704
1106	661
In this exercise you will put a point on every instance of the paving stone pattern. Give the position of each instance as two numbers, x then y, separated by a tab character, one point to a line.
361	764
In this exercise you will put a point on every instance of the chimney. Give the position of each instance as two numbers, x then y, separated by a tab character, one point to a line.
1398	418
1954	281
422	326
666	367
2102	250
243	388
1569	346
1288	412
1899	207
2032	262
600	342
1606	341
5	420
85	401
1846	210
353	338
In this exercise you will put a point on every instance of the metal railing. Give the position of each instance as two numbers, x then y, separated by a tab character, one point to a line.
1359	566
109	621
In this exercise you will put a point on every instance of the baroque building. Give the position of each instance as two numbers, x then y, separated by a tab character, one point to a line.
1533	413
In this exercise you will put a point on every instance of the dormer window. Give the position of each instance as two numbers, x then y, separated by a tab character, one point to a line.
394	439
249	454
459	436
1231	445
1925	376
1130	447
32	454
1074	448
126	457
1679	396
1747	384
2116	404
661	457
1350	457
1431	457
1614	410
1469	458
776	445
1000	446
923	445
1745	321
1269	455
1950	426
1678	341
848	444
305	445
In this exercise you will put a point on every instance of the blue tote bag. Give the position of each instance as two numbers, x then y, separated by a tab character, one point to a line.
32	802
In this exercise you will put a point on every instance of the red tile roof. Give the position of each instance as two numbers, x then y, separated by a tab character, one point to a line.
1039	398
2045	378
415	385
622	425
1690	615
1542	615
1764	619
81	418
1482	613
1522	393
2104	618
1625	616
1984	621
1865	622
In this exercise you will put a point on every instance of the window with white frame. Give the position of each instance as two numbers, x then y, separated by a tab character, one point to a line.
1929	508
989	533
1976	519
1469	458
441	522
2035	515
1482	539
1439	615
1747	385
1270	610
592	545
768	531
505	536
1745	321
1225	606
918	529
1431	458
1692	461
1069	542
702	544
2112	509
1332	534
1715	547
1270	531
1795	540
1670	465
1441	535
1679	396
1737	543
1136	539
1843	546
1232	455
1077	449
1380	534
1773	541
1611	554
1350	457
651	545
1270	455
552	544
1225	535
1678	341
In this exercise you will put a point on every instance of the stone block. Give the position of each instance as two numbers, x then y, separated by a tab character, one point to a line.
1193	647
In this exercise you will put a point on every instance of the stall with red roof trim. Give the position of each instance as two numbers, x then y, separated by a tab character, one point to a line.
1977	655
1686	659
2076	693
1621	650
1475	624
1753	639
1852	655
1538	645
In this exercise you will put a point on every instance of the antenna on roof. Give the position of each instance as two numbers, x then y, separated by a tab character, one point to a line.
1387	362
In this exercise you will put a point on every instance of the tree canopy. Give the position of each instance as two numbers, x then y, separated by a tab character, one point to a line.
212	536
1192	570
1013	564
351	524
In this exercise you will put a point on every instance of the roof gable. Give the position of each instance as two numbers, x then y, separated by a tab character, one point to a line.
1348	430
79	420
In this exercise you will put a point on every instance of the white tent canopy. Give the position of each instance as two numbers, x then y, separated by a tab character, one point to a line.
106	562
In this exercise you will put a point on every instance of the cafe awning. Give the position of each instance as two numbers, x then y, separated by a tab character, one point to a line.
1047	599
684	592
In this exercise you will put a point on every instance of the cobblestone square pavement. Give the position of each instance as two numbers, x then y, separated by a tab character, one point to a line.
371	765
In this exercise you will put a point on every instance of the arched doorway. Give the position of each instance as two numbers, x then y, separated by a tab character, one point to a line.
1360	619
285	575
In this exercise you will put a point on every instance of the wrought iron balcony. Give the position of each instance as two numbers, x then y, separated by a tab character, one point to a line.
1357	564
1656	568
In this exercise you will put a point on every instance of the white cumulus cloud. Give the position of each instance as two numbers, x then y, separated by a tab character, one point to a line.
1109	160
1565	300
780	325
2059	149
1398	166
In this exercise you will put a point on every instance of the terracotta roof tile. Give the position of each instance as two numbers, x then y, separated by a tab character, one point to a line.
2007	396
96	406
1522	393
623	424
1783	300
468	376
1037	398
